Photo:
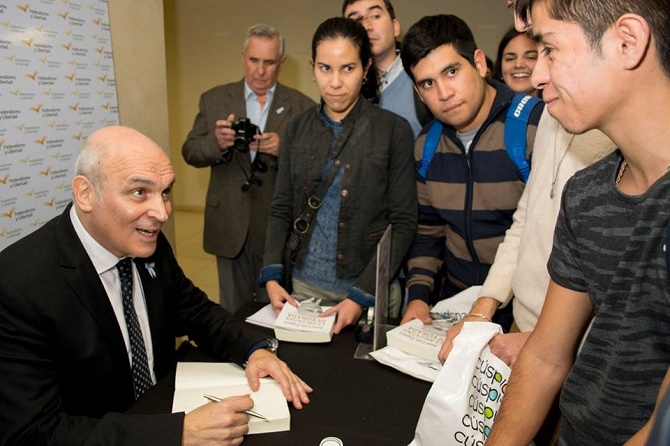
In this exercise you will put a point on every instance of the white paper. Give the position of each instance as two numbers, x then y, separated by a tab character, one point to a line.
265	317
196	379
406	363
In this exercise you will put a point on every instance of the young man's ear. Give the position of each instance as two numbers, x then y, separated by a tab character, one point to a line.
480	62
396	28
418	93
83	193
633	39
367	67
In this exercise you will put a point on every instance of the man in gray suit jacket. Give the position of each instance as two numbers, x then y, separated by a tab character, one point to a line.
242	181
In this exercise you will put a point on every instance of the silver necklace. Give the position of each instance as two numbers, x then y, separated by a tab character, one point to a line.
619	174
622	170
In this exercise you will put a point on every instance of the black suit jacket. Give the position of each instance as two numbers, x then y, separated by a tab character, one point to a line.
232	216
63	361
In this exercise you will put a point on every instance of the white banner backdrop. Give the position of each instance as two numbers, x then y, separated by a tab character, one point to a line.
57	86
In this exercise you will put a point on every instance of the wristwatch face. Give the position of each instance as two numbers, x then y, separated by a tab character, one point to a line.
273	345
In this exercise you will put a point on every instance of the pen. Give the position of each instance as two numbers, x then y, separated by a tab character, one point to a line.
216	399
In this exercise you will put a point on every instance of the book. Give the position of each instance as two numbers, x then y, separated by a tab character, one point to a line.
265	317
196	379
417	339
293	325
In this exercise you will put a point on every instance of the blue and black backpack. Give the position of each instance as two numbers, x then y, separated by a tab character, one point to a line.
516	123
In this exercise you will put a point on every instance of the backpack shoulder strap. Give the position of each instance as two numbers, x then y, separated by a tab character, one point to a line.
516	123
430	146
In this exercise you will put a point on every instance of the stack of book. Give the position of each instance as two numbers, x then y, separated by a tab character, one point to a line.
417	339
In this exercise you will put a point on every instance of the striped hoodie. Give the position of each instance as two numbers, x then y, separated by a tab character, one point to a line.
466	203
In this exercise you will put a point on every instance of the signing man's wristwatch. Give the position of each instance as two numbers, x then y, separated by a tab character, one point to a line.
272	345
269	344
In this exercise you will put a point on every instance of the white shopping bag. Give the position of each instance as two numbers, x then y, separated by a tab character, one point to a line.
462	403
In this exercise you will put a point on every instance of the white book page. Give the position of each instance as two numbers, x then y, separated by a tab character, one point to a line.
265	317
223	380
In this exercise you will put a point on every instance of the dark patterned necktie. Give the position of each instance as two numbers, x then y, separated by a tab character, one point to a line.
140	364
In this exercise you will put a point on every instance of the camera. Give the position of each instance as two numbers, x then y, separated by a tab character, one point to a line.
244	133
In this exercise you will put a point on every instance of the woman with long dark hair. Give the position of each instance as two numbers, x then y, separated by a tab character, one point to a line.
517	55
364	155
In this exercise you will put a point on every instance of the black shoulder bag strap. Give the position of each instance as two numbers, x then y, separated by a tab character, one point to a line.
303	224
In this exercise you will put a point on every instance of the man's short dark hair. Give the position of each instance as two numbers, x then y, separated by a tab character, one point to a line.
387	3
522	10
596	16
431	32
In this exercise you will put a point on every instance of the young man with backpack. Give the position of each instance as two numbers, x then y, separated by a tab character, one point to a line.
469	187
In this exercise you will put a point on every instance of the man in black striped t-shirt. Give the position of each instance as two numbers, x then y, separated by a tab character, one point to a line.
602	65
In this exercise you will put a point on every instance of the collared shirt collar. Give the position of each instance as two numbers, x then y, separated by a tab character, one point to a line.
249	93
387	77
102	259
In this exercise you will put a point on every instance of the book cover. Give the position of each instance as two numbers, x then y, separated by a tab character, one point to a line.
417	339
196	379
293	325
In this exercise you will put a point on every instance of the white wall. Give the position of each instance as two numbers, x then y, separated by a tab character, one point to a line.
138	38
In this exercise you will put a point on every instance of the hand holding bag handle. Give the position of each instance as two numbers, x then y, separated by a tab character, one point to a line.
465	397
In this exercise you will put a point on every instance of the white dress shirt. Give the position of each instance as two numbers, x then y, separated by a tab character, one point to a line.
257	114
104	263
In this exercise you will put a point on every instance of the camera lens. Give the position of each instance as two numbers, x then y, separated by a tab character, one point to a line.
241	144
244	134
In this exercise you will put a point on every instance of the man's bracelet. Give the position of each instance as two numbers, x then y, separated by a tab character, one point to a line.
479	315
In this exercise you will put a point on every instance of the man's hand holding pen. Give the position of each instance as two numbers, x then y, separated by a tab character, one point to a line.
224	422
216	399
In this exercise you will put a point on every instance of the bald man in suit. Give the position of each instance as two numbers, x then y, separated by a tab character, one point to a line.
73	339
241	183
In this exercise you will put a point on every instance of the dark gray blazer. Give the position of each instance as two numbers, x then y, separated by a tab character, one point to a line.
231	214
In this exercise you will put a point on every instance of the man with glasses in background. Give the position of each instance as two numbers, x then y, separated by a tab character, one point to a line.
395	86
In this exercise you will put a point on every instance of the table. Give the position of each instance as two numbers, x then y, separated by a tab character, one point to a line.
358	401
